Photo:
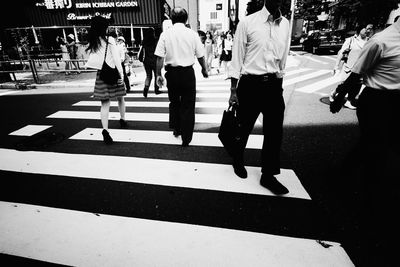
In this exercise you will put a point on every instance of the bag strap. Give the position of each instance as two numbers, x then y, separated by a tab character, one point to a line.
105	54
351	40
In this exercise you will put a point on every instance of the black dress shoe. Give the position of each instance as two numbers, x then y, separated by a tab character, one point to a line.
106	137
272	184
185	144
177	133
240	170
123	124
157	92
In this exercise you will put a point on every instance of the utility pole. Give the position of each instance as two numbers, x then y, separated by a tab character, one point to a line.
292	6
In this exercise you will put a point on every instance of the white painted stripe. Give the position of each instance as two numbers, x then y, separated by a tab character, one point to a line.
305	77
76	238
30	130
296	71
209	176
7	93
130	116
198	95
314	87
161	137
330	58
315	60
153	104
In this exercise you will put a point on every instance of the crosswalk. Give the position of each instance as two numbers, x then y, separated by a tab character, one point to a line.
147	201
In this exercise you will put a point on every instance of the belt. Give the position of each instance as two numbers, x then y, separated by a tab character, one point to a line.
170	67
264	77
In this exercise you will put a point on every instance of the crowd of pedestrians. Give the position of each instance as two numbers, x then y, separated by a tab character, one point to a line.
254	60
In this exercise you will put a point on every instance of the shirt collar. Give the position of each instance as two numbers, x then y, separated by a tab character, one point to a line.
397	25
266	16
179	24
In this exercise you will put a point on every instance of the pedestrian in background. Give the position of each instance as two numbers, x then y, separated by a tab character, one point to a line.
72	50
260	51
209	50
369	30
378	113
149	60
226	55
178	46
102	48
351	48
64	54
123	54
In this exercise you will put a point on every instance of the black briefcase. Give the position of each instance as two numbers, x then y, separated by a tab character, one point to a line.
229	130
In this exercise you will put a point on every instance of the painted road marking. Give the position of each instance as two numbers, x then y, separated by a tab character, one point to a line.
130	116
30	130
314	87
198	175
161	137
76	238
153	104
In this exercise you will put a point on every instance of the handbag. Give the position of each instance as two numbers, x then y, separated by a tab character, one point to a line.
346	52
229	130
107	74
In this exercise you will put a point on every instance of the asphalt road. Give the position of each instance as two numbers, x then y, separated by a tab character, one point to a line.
319	147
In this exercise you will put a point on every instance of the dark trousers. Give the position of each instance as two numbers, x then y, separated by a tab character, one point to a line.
181	83
259	95
150	69
378	114
126	78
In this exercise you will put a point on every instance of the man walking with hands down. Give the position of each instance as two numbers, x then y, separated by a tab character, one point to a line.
259	53
178	46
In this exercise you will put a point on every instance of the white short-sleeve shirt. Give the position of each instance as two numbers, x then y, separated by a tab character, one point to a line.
179	46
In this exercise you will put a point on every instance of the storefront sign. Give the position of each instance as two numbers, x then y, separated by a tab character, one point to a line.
56	4
66	4
132	3
74	17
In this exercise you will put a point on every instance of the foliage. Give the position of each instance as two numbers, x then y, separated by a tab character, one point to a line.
361	11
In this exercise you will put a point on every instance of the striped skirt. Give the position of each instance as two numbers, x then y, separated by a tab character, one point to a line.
103	91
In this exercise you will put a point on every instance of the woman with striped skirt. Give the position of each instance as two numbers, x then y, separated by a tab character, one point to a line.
103	49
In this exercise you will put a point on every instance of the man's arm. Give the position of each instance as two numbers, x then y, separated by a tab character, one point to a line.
233	98
159	66
238	55
351	83
203	66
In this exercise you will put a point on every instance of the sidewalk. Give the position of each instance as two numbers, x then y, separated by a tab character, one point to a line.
85	80
55	80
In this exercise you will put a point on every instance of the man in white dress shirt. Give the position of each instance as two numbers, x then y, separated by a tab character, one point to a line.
178	46
378	113
260	50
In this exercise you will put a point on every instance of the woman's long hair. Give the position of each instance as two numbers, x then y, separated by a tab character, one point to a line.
98	30
149	37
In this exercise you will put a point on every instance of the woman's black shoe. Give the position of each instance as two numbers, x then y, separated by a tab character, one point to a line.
123	124
145	91
107	138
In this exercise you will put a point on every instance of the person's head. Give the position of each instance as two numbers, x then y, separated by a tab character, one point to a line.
369	30
60	40
97	31
113	33
273	6
209	35
228	36
121	40
70	37
179	15
363	33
